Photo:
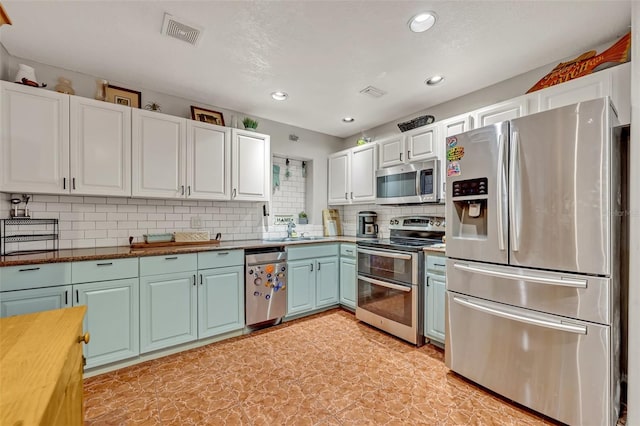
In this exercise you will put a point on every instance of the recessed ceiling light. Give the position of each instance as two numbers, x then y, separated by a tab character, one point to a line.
348	119
279	96
422	22
436	79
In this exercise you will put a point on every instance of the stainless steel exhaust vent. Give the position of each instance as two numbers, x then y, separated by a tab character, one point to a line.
172	27
373	92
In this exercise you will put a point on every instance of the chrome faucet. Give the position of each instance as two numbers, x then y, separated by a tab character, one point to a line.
290	227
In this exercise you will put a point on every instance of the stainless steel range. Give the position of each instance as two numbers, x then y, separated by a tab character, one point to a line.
391	276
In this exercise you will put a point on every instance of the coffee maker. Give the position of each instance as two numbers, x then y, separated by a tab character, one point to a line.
367	227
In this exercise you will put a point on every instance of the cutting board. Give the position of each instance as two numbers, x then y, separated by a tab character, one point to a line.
164	244
331	223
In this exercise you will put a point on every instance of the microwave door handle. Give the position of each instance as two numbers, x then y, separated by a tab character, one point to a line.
499	190
385	284
385	254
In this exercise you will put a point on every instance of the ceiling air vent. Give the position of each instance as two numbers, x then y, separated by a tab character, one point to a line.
172	27
374	92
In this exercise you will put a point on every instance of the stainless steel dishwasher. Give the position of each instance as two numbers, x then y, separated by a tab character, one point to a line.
265	285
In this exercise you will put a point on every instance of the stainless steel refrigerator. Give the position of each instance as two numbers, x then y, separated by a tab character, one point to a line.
533	225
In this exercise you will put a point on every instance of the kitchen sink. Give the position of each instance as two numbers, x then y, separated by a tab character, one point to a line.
290	239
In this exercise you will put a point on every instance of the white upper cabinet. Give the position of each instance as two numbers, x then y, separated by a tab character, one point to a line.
414	145
34	140
100	142
449	127
392	151
614	82
208	161
158	155
421	143
338	178
352	175
507	110
251	167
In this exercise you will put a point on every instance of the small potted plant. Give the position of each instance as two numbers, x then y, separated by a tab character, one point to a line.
302	218
250	123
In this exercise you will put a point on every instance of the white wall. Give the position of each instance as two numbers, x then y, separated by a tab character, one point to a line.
633	390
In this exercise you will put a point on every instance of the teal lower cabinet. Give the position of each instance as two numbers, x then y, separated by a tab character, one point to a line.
348	275
312	278
435	298
168	301
220	300
111	320
34	300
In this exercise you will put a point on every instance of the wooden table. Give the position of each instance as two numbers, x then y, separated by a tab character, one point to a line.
41	368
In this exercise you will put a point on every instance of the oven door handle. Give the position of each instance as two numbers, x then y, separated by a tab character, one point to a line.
385	254
385	284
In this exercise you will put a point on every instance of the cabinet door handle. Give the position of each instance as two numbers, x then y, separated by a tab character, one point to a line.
66	297
311	266
400	156
319	264
73	183
64	183
28	269
234	193
408	155
346	195
77	296
189	190
171	258
194	279
181	189
352	195
104	264
84	338
200	279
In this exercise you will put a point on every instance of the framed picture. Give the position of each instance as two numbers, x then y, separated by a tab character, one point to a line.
206	115
122	96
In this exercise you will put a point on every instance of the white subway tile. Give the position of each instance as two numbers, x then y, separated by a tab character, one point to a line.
164	209
115	200
45	198
173	203
137	216
146	209
166	225
198	210
118	233
107	242
96	217
71	199
181	209
107	225
156	216
58	207
71	235
75	216
102	233
86	243
95	200
106	208
173	216
125	208
136	201
125	224
116	216
83	225
83	207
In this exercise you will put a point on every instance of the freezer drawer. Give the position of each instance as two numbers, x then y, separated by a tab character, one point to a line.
575	296
562	368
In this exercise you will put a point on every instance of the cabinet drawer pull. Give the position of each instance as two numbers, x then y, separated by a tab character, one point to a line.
84	338
439	264
28	269
349	251
104	264
171	258
224	253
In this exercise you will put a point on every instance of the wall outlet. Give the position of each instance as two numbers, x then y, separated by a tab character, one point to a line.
196	222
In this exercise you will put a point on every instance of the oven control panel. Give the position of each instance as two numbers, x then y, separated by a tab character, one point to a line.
422	223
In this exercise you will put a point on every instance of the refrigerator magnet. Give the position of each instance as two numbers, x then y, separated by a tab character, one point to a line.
453	169
455	153
451	142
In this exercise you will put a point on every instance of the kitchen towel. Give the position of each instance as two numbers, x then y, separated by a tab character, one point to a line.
276	177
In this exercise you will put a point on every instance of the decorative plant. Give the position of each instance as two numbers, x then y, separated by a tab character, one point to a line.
302	218
250	123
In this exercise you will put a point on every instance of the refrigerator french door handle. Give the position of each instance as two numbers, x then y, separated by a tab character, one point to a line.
569	282
385	284
514	173
515	316
499	192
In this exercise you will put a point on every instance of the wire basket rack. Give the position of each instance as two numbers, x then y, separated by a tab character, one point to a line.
16	235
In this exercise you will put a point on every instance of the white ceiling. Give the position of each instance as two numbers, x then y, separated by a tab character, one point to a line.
320	52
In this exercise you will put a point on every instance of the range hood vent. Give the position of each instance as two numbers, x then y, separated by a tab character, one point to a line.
374	92
173	27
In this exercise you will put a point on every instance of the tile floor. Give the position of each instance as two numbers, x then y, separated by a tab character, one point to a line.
327	369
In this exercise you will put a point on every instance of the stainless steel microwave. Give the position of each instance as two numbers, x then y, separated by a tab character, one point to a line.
408	183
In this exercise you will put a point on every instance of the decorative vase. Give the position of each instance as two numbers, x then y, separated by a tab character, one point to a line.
101	86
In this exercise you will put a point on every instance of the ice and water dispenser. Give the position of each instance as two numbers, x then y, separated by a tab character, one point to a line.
469	198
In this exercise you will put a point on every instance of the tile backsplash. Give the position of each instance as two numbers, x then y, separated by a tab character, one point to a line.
349	215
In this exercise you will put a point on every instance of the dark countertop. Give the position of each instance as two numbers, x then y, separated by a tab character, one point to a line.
77	255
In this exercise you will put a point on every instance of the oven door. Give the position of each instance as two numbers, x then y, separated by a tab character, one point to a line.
390	265
389	306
